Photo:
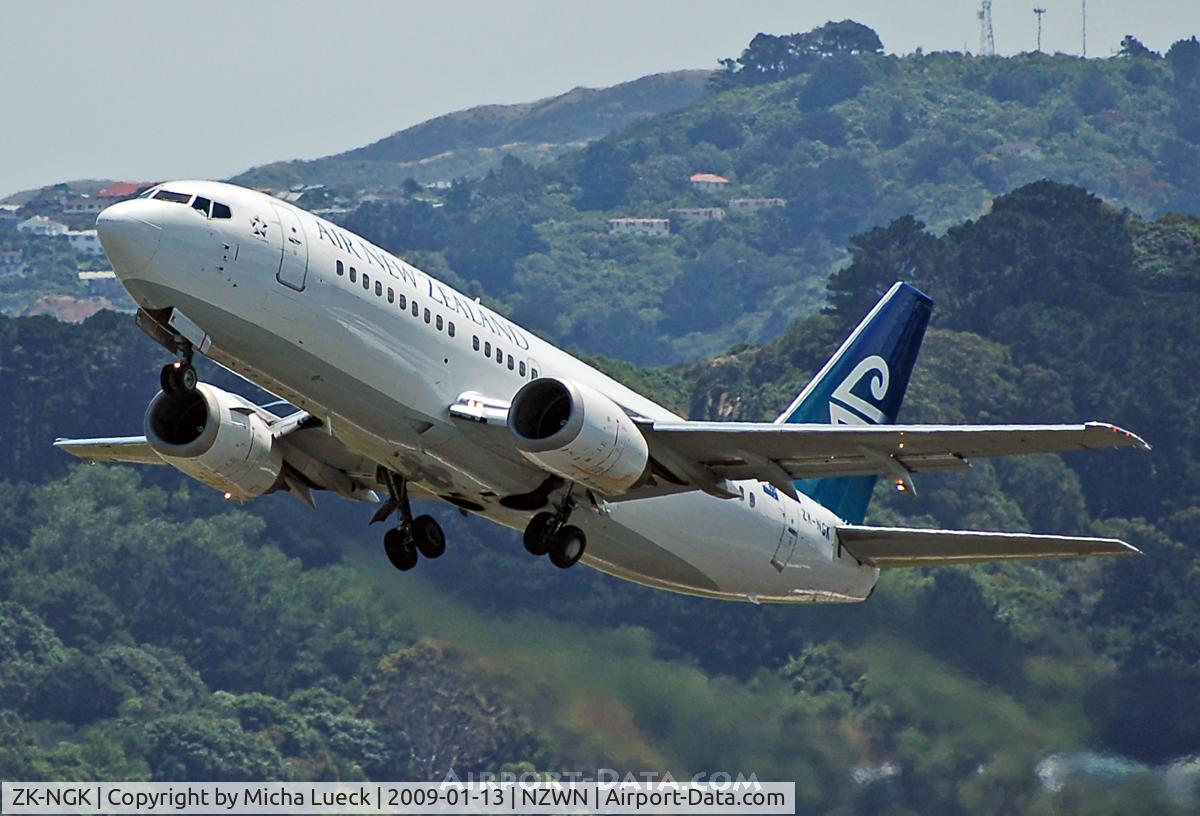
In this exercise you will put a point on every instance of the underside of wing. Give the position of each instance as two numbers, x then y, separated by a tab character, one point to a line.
779	453
901	547
131	449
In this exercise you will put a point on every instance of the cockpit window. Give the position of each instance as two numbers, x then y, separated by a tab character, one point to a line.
148	193
177	198
220	210
202	204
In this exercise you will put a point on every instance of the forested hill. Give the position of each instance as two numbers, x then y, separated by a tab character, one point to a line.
849	137
468	143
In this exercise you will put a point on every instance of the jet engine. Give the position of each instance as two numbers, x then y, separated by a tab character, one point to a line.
216	437
579	434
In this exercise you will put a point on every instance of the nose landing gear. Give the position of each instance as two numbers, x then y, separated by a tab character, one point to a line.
549	534
180	376
411	536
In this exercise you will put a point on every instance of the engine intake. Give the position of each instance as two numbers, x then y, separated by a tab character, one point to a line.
216	437
578	433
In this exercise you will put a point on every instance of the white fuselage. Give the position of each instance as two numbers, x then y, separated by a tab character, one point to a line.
281	294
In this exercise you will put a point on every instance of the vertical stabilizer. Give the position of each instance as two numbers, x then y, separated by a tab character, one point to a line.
863	384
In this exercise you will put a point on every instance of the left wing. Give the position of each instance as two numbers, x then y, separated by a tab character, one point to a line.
780	453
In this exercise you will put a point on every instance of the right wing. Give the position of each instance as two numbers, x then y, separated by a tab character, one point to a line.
902	547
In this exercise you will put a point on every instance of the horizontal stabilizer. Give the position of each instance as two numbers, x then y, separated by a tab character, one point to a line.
901	547
133	449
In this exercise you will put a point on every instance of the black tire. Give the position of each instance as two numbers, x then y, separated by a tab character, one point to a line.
568	547
428	536
537	540
166	379
398	545
186	378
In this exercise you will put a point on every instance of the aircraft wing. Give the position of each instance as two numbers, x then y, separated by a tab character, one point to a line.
779	453
900	547
133	449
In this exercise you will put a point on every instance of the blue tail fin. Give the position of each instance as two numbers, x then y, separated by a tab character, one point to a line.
863	384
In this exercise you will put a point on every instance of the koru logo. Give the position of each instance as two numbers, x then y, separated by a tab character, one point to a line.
848	408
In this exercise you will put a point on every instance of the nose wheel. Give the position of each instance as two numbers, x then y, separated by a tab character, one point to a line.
180	376
549	534
411	537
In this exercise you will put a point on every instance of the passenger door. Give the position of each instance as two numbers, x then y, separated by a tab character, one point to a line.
293	266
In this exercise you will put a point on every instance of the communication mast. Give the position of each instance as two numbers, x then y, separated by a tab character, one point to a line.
1039	11
987	38
1084	28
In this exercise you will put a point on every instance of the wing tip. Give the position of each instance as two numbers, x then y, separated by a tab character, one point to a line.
1134	440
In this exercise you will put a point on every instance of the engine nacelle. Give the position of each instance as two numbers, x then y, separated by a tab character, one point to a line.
216	437
579	434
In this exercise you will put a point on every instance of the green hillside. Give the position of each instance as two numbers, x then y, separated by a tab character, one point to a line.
469	143
851	141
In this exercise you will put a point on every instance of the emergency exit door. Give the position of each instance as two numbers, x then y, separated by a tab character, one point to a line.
293	266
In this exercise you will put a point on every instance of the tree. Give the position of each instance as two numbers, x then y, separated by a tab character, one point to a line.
206	749
878	259
605	176
833	80
1132	48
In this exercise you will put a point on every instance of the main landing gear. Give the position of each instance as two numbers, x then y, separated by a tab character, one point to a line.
179	377
549	534
411	536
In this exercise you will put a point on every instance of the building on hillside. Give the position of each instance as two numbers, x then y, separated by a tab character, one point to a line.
639	226
85	242
125	189
42	226
11	263
697	213
709	182
84	205
750	205
9	215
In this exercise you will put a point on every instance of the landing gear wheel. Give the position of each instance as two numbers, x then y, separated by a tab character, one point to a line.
428	537
178	378
398	544
567	547
538	534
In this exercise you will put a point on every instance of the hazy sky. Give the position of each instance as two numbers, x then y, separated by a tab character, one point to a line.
205	88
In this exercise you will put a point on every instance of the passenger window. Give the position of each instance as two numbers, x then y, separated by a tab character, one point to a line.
475	342
366	281
426	315
521	369
533	375
220	210
391	295
403	302
438	322
341	269
510	362
353	274
202	204
378	289
751	498
499	357
450	328
415	310
487	349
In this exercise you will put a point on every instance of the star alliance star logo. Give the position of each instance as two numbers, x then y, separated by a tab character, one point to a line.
258	227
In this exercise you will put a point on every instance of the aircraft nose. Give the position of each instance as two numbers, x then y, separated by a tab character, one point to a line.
129	232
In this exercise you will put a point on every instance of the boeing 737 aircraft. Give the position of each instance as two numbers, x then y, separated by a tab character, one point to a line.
401	386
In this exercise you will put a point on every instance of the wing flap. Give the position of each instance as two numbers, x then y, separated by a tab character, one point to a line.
903	547
132	449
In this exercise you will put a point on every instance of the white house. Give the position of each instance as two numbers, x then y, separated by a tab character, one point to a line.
698	213
41	225
709	182
85	242
749	205
639	226
84	205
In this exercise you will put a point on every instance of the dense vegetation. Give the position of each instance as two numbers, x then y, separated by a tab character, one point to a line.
149	630
851	138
